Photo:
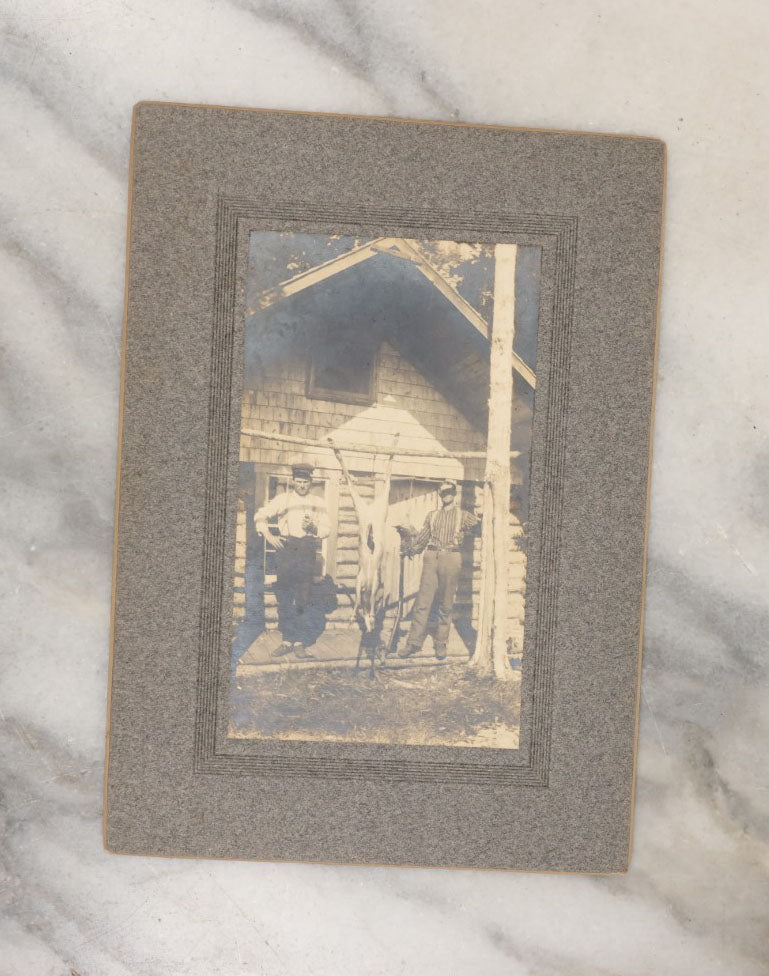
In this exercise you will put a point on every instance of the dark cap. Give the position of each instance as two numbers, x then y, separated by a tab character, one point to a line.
302	469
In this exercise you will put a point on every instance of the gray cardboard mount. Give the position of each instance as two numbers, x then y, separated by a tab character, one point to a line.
202	179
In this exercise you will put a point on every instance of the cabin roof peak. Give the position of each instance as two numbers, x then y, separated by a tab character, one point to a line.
400	247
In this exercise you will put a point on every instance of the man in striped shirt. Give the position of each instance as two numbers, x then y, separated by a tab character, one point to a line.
440	538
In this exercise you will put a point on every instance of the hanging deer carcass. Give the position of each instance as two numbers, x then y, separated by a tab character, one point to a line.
372	518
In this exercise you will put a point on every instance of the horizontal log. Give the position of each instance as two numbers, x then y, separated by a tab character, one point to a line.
349	556
347	542
366	448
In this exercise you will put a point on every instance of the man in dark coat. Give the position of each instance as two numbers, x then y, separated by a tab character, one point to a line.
302	521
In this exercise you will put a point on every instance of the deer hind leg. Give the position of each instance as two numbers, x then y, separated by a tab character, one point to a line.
389	470
377	524
362	611
362	588
360	514
358	504
358	596
370	608
376	543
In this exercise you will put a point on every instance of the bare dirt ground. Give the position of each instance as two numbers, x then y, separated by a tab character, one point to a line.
441	705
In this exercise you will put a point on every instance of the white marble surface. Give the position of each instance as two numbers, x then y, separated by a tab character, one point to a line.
693	73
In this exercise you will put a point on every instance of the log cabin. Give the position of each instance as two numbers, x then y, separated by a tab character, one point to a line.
374	341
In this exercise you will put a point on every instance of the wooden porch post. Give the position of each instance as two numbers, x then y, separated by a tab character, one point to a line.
490	656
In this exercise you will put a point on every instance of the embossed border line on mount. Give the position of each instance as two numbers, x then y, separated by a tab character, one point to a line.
438	225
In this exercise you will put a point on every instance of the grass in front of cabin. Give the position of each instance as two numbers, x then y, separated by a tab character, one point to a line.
439	705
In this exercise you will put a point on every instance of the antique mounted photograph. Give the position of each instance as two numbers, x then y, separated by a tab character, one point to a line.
383	486
380	556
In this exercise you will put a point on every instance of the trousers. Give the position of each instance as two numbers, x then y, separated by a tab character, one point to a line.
440	577
295	568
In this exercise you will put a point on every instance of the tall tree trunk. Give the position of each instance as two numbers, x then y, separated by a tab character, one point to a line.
491	651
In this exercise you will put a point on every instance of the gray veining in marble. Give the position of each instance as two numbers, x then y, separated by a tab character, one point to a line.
695	74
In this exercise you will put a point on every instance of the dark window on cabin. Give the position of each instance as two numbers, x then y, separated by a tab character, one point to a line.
342	364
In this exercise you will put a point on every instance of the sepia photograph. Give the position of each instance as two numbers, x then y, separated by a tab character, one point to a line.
381	541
